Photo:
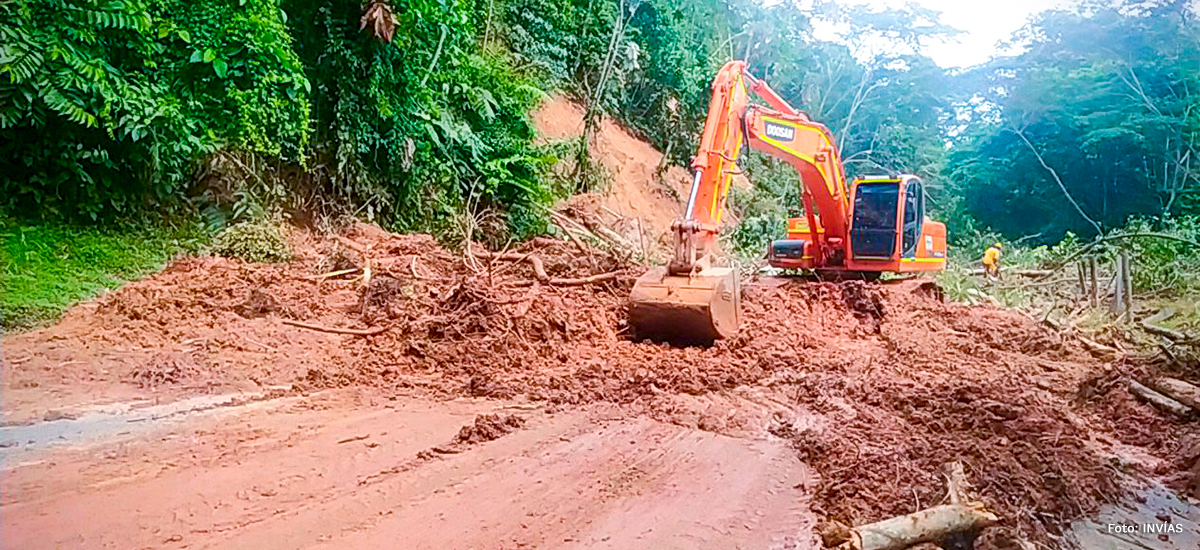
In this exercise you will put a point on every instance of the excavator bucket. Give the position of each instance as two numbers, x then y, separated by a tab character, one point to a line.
680	309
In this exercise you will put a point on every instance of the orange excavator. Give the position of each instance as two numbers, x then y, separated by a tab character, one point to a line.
859	230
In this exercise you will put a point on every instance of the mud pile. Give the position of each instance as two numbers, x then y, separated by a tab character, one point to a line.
885	384
875	386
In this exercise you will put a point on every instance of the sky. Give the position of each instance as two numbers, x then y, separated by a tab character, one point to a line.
983	23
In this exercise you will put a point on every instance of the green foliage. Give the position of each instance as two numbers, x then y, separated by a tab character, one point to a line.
110	106
106	104
886	110
253	242
550	35
46	267
116	103
418	129
761	220
1164	265
753	235
1106	94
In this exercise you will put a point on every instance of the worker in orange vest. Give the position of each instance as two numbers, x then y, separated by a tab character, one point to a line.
991	261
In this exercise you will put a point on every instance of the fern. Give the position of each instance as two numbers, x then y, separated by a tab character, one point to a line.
73	111
21	63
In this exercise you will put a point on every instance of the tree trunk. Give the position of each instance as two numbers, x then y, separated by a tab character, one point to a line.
1117	307
1127	276
928	525
1083	291
1095	286
1158	400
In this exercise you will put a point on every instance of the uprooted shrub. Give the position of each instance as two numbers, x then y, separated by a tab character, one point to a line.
253	242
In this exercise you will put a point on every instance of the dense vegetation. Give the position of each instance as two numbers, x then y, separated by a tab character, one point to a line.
1096	121
414	114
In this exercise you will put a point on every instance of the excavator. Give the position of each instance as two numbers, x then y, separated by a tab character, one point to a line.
871	226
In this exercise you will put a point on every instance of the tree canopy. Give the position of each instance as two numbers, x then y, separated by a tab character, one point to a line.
1095	121
415	113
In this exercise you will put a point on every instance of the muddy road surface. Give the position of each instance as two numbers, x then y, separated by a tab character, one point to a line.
337	470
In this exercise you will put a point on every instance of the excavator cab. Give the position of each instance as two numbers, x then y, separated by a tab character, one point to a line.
874	219
889	230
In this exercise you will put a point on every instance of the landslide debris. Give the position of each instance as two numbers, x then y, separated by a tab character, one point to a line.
875	385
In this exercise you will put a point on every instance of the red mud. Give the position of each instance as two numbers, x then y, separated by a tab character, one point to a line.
875	386
636	203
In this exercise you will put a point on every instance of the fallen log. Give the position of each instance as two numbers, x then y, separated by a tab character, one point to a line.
336	330
928	525
1183	392
1018	272
1173	335
1158	400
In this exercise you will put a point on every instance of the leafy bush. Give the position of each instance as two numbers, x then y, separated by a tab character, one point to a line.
253	242
103	105
425	126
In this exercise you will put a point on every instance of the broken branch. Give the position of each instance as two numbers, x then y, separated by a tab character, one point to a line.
1019	272
336	330
1088	247
338	273
539	270
1099	350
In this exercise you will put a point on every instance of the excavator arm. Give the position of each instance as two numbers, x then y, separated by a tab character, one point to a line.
692	299
780	131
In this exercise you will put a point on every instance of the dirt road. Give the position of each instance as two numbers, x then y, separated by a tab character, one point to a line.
834	402
336	469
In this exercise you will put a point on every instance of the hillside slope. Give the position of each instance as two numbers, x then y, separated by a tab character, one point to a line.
635	197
